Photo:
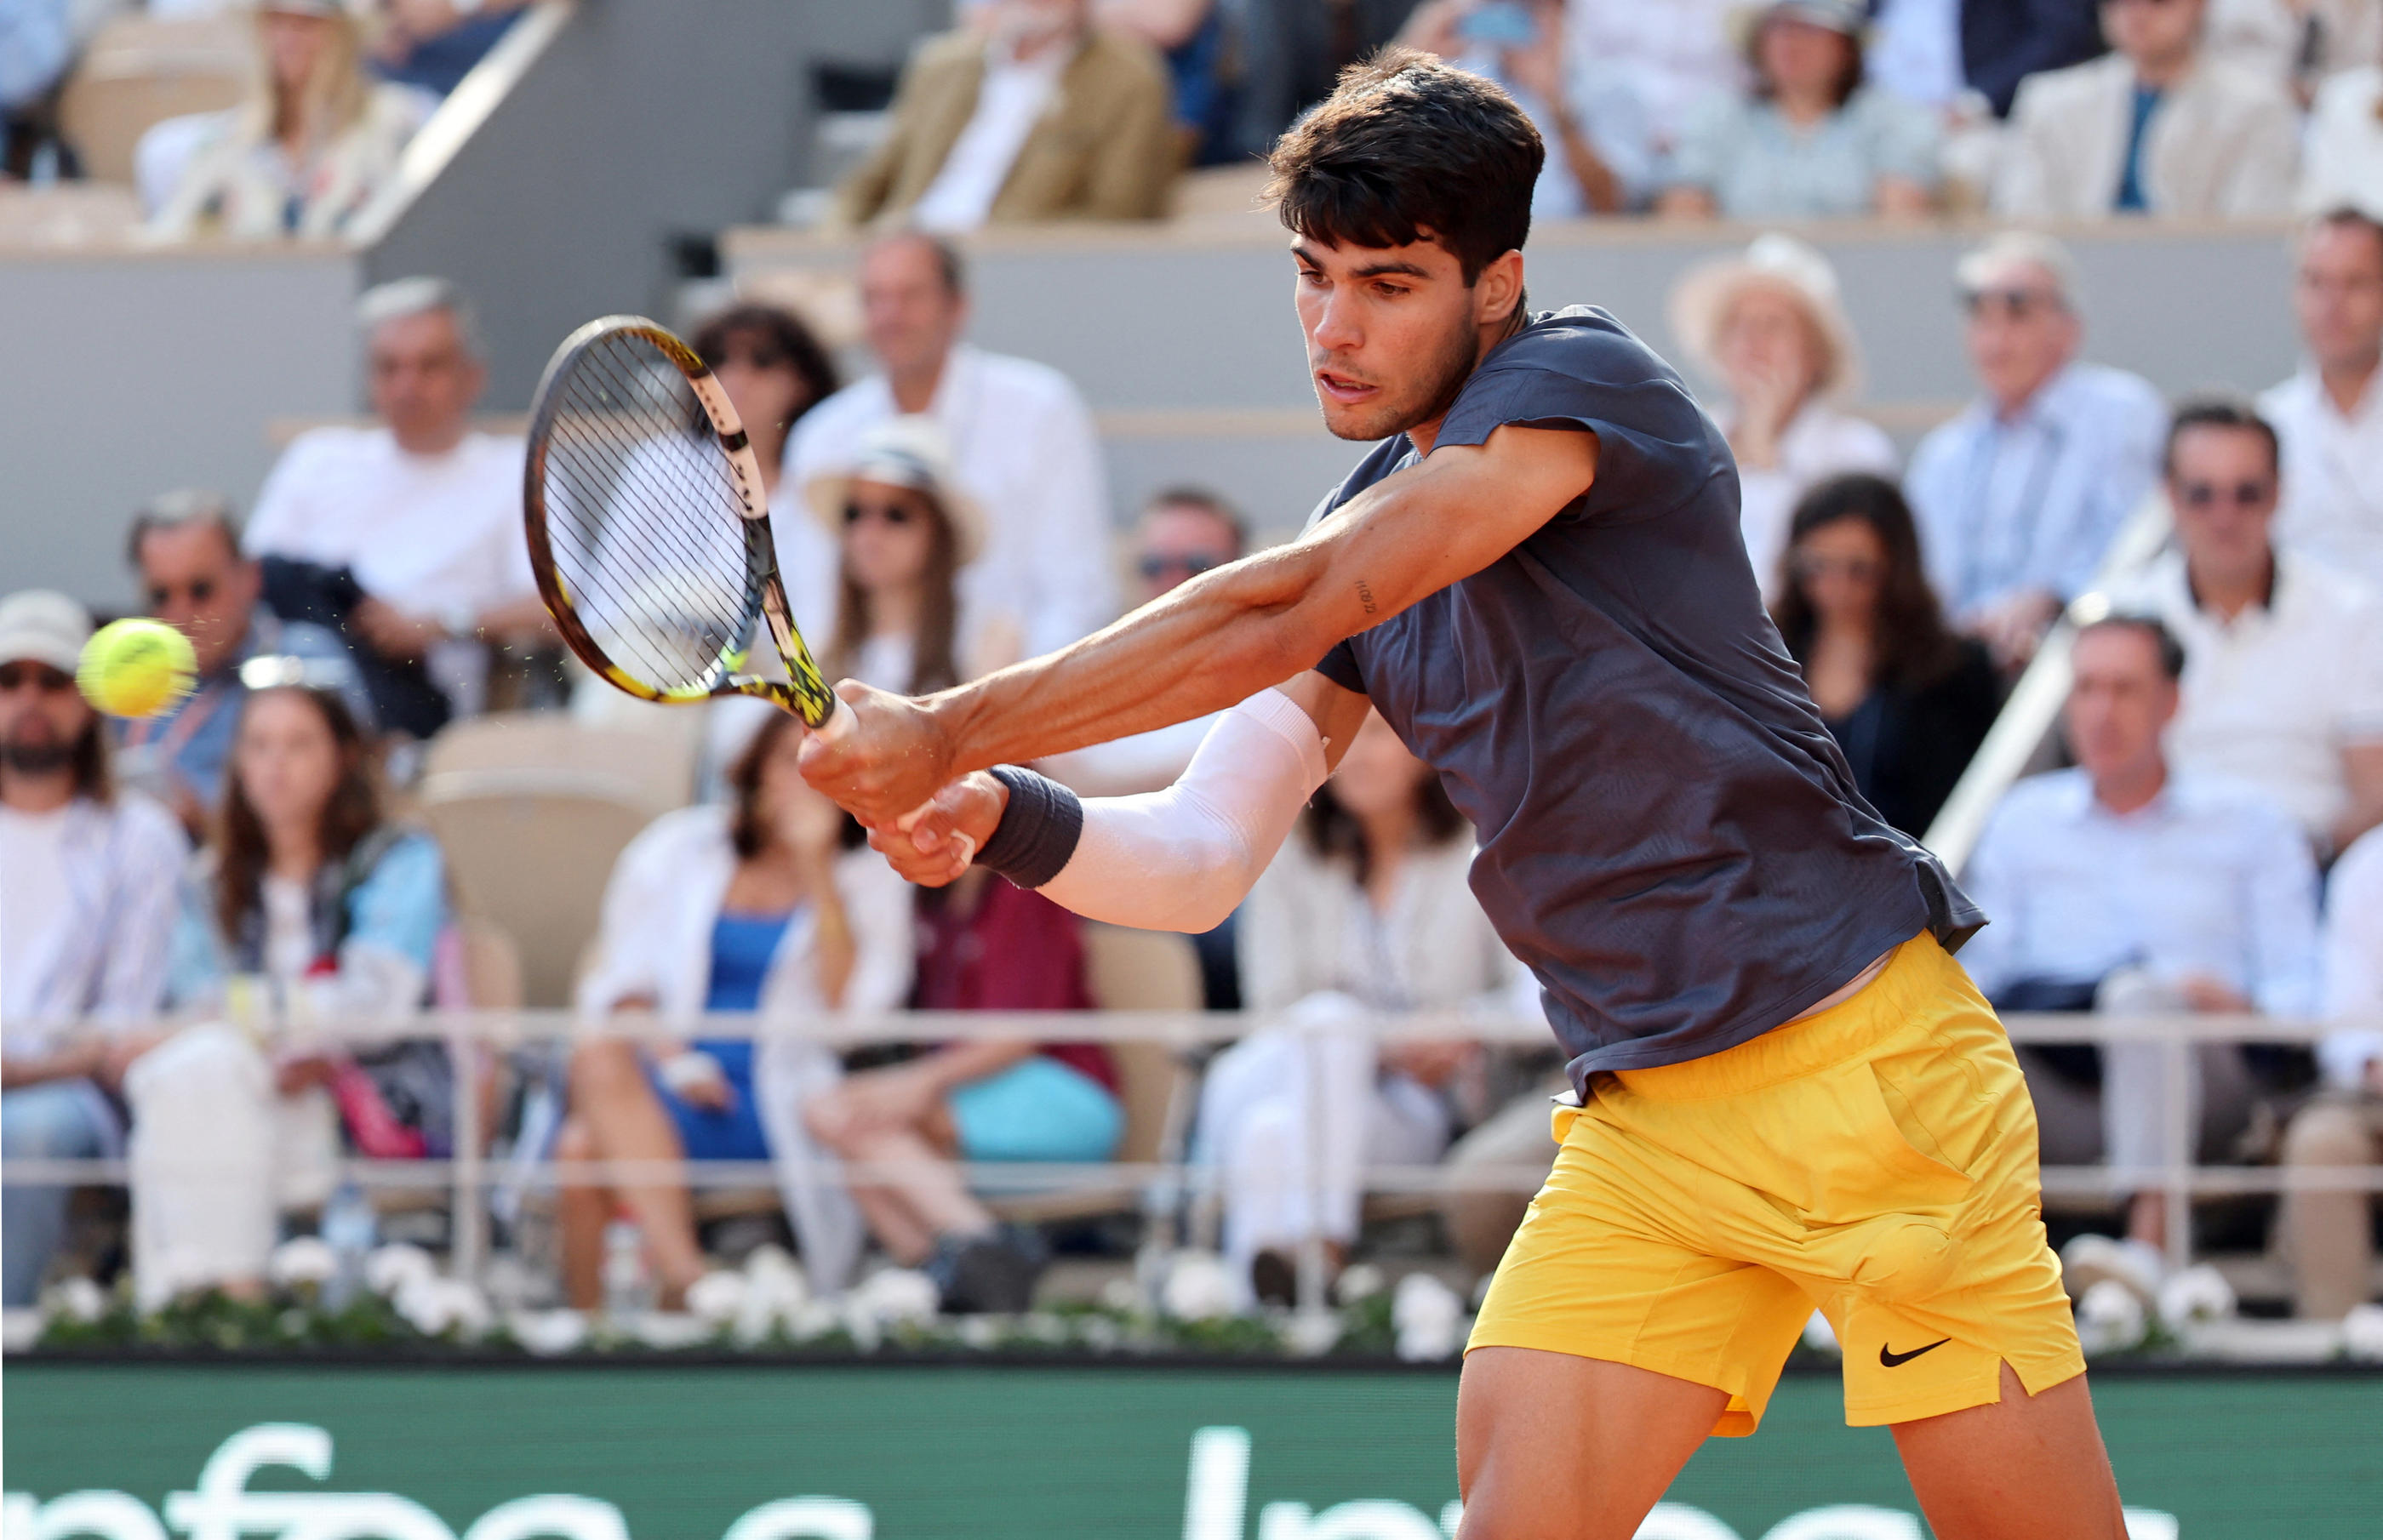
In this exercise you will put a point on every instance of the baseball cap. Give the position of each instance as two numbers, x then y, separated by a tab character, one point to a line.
42	626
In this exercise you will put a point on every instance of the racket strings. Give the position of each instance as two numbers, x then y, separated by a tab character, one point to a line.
645	518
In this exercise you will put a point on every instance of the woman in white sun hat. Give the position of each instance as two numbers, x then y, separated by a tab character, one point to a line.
1769	327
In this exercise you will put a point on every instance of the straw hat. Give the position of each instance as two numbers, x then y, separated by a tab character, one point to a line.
1785	265
903	451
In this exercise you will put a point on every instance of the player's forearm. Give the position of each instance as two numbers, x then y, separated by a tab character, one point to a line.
1210	644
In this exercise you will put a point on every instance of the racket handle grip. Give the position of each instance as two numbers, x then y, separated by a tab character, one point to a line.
838	727
839	724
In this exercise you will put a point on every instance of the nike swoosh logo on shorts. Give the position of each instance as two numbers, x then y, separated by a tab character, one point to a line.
1896	1361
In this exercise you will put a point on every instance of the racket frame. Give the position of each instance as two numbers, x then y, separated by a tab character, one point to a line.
805	692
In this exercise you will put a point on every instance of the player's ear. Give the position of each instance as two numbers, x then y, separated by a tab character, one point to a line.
1499	289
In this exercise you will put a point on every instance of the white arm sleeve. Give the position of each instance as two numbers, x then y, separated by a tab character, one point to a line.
1181	859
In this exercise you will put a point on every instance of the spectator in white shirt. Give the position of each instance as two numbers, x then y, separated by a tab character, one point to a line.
422	513
2020	494
2342	160
88	879
2130	888
1021	441
1769	325
1674	55
2331	415
2155	127
2327	1236
2284	689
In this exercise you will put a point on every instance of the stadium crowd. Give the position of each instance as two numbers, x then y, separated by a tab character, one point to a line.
2214	847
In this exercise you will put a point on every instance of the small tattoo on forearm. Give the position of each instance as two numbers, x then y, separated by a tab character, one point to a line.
1365	596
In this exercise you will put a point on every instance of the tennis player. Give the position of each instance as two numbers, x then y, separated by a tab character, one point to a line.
1787	1092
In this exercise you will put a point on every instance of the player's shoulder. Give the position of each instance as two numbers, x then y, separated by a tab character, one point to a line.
1585	342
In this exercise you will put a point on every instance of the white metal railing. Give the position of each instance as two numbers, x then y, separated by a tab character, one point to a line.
469	1171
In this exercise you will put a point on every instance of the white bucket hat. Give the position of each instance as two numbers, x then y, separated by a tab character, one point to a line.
1784	265
903	451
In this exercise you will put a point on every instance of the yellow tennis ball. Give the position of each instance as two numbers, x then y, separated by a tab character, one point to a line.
136	668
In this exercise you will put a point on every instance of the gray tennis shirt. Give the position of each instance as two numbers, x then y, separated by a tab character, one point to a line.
1670	839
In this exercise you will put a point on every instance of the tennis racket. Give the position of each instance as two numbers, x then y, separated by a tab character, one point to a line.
649	532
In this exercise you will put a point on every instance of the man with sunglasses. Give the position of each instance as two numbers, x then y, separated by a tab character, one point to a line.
2285	686
2021	493
88	881
184	548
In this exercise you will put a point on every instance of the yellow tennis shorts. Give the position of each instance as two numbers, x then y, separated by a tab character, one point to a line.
1877	1161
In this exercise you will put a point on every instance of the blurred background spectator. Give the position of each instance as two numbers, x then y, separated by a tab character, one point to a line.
1021	441
2330	415
1291	52
317	137
434	43
1908	700
764	904
1026	111
2021	493
2328	1237
36	44
2283	686
1365	909
1931	50
2343	157
1599	147
310	906
406	536
1198	44
2156	128
1808	140
1770	325
2129	887
983	945
85	915
1672	56
185	548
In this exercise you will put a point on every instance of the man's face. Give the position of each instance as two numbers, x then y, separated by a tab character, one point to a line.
1178	541
42	716
424	381
194	580
2020	332
912	319
1392	333
2154	33
2121	700
2222	486
2339	296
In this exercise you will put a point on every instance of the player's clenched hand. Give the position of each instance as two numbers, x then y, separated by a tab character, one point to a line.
928	853
892	759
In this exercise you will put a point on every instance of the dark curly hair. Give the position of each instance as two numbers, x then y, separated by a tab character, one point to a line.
1407	148
782	334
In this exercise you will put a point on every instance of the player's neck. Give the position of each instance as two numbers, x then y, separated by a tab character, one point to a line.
1423	436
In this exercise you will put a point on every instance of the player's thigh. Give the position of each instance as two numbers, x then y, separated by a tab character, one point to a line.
2024	1468
1554	1446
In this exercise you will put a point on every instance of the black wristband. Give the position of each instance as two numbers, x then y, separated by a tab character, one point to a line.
1038	831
